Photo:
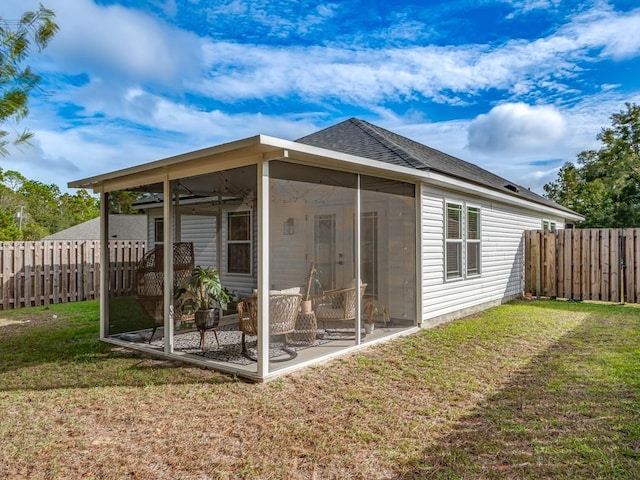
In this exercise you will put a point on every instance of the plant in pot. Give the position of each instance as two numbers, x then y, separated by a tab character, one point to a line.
305	305
371	308
208	297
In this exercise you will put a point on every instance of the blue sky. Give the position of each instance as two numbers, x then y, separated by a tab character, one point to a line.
515	86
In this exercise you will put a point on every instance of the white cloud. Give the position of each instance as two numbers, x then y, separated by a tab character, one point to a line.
121	44
517	127
444	74
127	47
613	32
525	6
271	18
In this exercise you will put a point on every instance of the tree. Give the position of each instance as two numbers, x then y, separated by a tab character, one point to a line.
605	186
30	210
17	80
78	208
121	202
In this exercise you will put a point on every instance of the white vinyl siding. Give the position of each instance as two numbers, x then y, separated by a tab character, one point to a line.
201	231
501	258
198	229
290	249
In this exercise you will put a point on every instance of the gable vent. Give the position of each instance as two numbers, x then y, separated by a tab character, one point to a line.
513	188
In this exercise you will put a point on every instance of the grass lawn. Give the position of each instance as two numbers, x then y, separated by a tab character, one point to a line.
534	390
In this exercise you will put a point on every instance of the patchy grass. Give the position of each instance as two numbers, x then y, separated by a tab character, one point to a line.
526	390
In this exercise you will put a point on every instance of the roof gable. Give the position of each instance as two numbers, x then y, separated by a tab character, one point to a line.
357	137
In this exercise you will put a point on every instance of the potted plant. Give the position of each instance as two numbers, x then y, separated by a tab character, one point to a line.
305	305
371	308
208	297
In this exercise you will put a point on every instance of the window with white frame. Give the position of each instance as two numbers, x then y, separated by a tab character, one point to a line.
473	241
548	226
453	250
462	243
239	242
158	231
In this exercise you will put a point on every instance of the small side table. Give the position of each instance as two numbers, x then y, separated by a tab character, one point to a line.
306	329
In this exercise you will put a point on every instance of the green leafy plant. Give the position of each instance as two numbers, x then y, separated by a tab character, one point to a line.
206	288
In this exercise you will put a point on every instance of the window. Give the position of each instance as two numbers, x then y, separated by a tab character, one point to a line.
239	242
462	243
454	241
548	226
473	241
158	231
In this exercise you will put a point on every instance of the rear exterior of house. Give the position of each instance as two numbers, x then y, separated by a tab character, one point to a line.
471	221
412	236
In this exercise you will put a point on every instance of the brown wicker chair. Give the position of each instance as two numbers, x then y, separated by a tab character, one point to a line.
337	305
150	280
283	311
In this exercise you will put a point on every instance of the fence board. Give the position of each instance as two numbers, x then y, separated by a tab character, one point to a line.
18	276
594	264
41	273
589	264
629	280
614	264
636	267
549	262
568	270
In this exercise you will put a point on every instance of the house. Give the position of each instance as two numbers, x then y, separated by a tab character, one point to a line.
123	227
381	229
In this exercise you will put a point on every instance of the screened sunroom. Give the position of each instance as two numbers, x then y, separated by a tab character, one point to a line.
315	252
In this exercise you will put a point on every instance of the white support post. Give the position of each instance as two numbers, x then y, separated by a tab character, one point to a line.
104	265
263	268
178	217
358	277
168	265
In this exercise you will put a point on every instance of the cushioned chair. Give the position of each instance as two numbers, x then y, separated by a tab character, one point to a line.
283	311
337	305
150	280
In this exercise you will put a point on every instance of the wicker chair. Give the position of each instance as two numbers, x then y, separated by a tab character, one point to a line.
337	305
283	311
150	280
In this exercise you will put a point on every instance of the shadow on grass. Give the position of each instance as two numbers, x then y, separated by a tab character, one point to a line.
573	413
67	353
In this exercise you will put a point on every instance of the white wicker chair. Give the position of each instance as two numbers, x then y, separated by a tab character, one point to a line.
283	311
337	305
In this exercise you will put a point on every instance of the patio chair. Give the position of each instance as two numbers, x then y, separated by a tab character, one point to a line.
338	305
150	280
283	312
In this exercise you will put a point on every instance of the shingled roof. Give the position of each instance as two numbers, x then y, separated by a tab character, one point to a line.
357	137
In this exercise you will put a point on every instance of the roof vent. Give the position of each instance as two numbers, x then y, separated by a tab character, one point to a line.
513	188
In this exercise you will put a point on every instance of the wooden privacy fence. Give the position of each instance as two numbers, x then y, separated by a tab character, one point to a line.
41	273
584	264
